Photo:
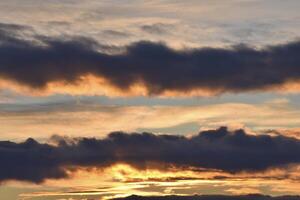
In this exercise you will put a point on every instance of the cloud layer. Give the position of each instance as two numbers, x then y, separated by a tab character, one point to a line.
41	60
214	149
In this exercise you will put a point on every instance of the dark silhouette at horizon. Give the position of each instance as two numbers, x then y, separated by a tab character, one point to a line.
211	197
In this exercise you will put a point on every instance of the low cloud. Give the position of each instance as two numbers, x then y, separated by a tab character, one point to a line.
155	66
220	149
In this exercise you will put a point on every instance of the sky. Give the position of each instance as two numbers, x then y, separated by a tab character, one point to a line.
107	98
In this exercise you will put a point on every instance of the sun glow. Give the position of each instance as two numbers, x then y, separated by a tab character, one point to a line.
122	180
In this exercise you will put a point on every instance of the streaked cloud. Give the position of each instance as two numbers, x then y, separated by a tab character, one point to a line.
76	117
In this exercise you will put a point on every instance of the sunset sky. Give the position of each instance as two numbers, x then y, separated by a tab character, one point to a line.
107	98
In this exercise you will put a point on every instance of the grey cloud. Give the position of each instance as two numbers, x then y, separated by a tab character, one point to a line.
159	67
218	149
158	28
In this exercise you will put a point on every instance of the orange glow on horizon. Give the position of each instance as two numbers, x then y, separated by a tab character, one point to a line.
94	85
122	180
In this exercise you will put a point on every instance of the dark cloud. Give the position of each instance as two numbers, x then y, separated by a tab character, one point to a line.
37	62
214	149
211	197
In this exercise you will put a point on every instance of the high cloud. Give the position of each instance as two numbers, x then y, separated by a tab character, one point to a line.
220	149
159	69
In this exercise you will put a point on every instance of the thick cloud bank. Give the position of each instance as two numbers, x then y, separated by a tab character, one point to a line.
214	149
40	60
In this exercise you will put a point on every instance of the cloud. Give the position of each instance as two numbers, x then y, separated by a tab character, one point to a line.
11	33
114	33
81	117
154	66
218	149
158	28
5	27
